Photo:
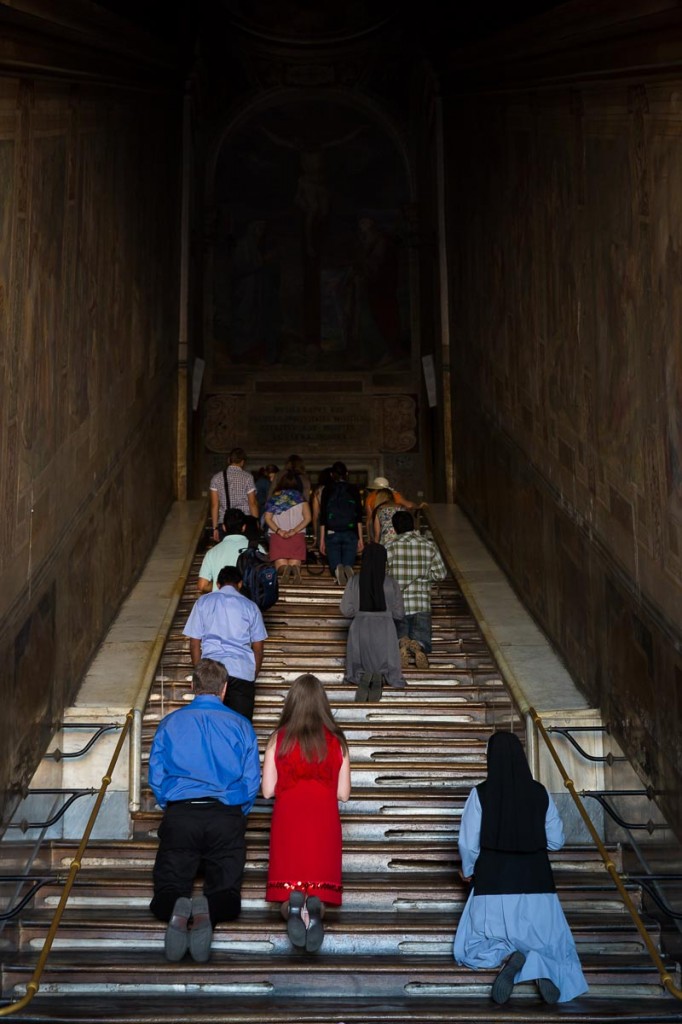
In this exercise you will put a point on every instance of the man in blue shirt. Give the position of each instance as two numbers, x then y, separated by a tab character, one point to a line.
204	771
226	626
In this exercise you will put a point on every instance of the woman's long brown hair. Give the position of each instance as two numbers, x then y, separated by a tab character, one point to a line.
305	716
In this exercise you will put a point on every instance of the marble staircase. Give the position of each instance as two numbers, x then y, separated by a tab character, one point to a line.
387	954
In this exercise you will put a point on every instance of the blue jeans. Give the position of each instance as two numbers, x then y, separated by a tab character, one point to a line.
342	547
417	627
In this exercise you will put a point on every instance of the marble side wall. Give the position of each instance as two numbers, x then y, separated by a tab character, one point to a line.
566	231
87	382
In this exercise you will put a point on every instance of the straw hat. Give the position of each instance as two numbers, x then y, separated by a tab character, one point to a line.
380	482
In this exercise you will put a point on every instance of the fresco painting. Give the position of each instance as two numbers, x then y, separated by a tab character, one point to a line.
309	255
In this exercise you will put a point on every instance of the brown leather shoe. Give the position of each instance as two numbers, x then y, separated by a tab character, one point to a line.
420	658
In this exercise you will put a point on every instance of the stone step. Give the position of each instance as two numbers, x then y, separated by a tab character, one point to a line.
403	885
417	773
394	707
481	685
323	644
387	956
435	744
364	852
453	707
230	973
201	1006
442	696
448	633
374	801
397	741
397	933
112	854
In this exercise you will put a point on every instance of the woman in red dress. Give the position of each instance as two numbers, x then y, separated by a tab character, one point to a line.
307	770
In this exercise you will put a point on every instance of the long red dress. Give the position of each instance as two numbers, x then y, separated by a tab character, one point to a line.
305	835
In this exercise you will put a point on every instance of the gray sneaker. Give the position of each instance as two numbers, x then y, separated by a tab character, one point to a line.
340	573
348	570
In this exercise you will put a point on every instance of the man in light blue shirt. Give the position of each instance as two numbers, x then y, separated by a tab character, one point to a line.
227	627
204	770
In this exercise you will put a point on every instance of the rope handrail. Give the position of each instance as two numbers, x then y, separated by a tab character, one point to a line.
34	984
666	978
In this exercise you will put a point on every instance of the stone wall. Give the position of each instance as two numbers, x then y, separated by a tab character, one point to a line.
566	226
88	343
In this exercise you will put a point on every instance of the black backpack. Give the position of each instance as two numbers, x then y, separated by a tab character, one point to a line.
342	512
259	578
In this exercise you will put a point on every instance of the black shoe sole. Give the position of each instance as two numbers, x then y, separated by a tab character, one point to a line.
504	982
548	990
315	934
296	929
375	688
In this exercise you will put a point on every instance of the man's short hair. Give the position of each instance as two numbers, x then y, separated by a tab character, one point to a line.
229	575
251	529
233	520
402	521
209	676
237	455
339	470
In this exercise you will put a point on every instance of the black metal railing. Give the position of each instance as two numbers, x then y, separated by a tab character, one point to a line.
568	730
37	883
100	730
666	977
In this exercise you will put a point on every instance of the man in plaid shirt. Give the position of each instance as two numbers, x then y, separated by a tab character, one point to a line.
415	563
242	492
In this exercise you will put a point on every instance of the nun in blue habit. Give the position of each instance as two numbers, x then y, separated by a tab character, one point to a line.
513	916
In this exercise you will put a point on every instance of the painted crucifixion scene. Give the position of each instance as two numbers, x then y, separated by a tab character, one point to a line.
309	261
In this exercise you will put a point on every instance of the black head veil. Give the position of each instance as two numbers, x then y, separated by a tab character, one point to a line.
372	576
514	805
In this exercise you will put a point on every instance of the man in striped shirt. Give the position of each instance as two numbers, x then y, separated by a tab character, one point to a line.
415	562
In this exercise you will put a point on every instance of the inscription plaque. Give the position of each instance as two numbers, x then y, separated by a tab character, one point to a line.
311	423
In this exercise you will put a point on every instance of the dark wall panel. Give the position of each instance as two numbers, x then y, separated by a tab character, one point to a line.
566	224
88	296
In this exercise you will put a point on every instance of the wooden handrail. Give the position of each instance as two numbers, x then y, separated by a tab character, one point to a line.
666	979
34	984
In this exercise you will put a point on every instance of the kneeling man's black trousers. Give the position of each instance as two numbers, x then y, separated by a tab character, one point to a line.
207	837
